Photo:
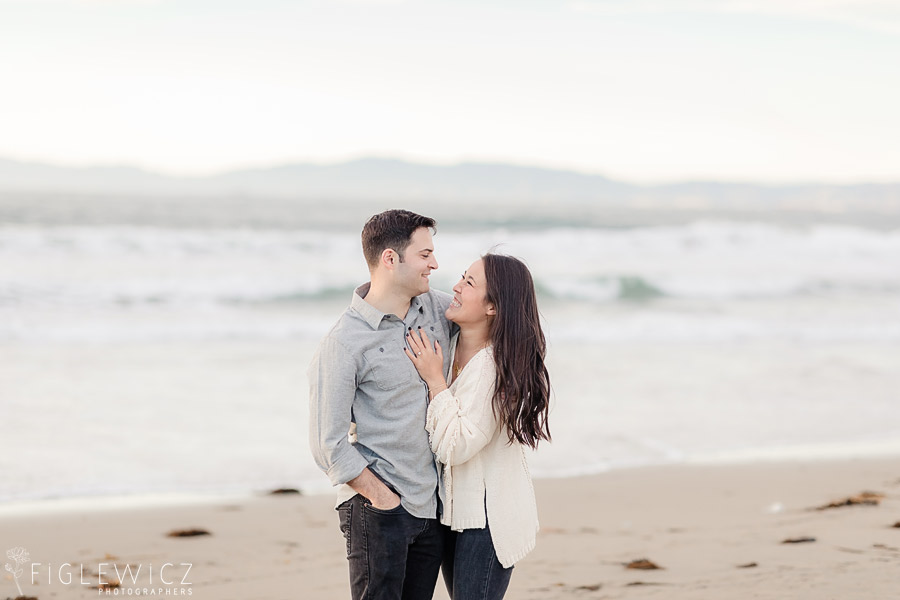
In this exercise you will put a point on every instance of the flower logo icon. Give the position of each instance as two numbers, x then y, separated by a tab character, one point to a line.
19	556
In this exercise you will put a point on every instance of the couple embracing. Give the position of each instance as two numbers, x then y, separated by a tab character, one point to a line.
421	406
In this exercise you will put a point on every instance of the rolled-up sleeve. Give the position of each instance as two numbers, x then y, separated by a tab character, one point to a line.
332	387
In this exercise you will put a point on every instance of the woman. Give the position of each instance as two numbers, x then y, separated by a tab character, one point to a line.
479	423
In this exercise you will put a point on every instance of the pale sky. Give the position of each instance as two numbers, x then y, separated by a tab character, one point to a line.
639	90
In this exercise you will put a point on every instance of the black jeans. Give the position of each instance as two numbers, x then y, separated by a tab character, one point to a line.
392	555
471	569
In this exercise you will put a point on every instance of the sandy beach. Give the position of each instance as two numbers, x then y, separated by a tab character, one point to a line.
714	531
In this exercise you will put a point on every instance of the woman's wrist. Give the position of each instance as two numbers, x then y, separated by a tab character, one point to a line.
437	386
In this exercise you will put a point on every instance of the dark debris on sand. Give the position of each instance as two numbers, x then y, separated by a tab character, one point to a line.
750	565
188	532
896	525
861	499
576	589
799	540
281	491
642	564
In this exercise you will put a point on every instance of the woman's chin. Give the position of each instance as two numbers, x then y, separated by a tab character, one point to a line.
448	314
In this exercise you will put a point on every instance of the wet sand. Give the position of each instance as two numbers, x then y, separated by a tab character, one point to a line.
702	525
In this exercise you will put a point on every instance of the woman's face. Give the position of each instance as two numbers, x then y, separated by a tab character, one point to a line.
469	305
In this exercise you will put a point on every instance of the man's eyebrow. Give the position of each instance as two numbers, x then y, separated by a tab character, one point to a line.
427	250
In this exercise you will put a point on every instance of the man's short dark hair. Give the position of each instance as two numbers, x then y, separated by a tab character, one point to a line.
391	229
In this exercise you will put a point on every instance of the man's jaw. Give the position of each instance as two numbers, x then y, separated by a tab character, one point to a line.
423	287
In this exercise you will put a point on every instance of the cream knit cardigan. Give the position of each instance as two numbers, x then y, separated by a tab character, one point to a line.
480	467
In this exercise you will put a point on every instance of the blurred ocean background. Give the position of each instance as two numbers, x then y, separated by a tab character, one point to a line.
159	343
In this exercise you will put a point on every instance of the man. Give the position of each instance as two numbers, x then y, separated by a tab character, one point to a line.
362	382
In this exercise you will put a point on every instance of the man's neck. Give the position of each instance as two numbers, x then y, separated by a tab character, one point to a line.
387	300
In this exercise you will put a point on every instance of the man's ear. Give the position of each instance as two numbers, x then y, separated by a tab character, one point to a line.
388	258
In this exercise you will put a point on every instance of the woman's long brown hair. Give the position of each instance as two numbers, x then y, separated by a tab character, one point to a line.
522	389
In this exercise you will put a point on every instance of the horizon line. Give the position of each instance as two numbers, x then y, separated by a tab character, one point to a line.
662	182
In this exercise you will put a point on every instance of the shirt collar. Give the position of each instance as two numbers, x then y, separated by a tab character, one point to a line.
369	313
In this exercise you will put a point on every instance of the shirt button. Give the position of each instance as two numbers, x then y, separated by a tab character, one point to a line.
381	349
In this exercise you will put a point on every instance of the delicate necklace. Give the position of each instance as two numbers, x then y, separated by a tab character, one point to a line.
457	368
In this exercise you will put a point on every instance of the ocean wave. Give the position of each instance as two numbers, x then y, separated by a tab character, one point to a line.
618	325
122	267
600	289
126	294
72	242
633	288
718	239
661	328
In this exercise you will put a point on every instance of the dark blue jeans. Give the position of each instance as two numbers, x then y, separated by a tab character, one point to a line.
392	555
471	569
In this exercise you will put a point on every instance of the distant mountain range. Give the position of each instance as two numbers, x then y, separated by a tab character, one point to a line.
359	179
35	192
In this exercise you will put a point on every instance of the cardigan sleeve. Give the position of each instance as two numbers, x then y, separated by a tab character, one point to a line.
461	422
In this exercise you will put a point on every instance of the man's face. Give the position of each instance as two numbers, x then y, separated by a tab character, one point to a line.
418	263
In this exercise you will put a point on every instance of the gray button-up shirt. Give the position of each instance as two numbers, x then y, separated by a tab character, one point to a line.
361	374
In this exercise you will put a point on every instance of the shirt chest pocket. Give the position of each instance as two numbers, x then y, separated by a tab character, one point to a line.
388	367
